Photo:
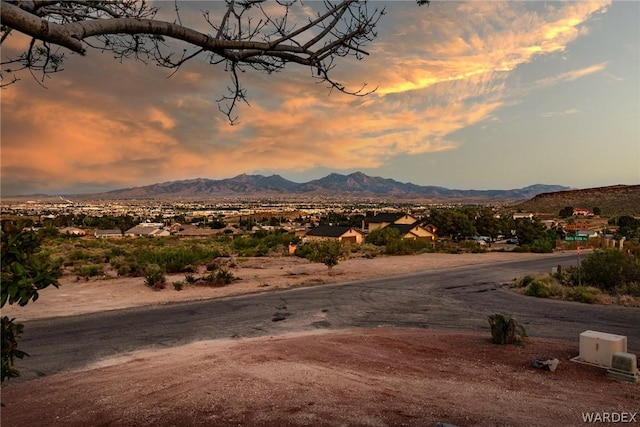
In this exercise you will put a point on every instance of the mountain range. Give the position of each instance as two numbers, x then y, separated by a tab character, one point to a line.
355	185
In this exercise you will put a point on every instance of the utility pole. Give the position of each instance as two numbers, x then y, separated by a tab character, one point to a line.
579	272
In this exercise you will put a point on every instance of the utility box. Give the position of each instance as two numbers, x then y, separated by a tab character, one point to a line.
598	348
624	367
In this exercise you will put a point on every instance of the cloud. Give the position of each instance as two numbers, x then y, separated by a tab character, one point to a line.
438	70
551	114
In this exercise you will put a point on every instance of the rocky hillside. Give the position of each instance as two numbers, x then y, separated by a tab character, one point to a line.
613	200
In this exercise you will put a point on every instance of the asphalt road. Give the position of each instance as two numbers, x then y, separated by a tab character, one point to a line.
457	298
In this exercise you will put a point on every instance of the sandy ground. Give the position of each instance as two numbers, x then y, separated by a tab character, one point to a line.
372	377
78	296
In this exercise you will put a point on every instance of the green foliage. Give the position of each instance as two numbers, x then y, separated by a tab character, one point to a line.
454	222
154	276
538	289
219	278
506	330
89	270
328	252
526	280
610	268
529	231
566	212
583	294
10	333
262	243
172	259
382	236
25	270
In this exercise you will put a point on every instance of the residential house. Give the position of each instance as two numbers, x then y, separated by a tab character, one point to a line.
341	234
415	231
108	234
582	212
384	219
521	215
144	230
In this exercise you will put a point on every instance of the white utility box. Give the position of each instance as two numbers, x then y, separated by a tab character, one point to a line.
598	347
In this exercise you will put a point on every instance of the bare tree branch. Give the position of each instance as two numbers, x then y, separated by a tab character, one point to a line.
244	34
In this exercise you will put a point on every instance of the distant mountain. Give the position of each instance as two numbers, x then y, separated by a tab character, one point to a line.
612	200
355	185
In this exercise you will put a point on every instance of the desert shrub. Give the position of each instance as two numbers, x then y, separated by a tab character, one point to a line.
190	278
568	276
178	285
631	289
505	329
218	278
537	289
369	250
174	259
472	246
542	246
610	268
89	270
224	277
154	276
526	280
213	266
584	294
303	251
382	236
406	247
556	291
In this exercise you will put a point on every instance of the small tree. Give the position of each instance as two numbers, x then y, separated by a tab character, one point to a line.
25	271
328	252
566	212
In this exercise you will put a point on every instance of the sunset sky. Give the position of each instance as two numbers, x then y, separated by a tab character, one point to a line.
471	95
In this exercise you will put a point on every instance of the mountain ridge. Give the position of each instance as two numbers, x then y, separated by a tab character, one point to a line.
356	184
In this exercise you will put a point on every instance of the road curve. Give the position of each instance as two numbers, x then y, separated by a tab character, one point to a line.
455	298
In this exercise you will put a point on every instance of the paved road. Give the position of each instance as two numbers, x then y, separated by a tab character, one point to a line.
458	298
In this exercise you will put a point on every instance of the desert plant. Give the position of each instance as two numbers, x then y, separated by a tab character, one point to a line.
537	289
526	280
328	252
506	330
154	277
584	294
178	285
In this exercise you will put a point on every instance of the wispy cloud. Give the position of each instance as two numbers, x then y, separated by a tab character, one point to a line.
438	70
551	114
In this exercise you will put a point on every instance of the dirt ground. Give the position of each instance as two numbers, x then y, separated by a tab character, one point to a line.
372	377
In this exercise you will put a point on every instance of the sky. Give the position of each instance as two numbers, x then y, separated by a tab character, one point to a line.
470	95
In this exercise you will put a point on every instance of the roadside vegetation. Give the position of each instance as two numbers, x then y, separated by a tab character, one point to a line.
606	276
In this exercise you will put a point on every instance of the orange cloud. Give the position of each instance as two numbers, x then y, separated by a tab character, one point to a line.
438	71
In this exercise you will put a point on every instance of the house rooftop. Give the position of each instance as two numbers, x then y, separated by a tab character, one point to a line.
386	217
329	231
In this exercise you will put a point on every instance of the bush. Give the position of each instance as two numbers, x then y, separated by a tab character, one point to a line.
537	289
526	280
178	285
610	268
506	330
154	277
584	294
90	270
